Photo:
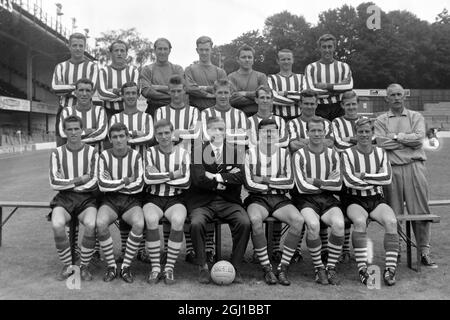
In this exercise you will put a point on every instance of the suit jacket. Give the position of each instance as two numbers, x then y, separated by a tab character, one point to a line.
204	190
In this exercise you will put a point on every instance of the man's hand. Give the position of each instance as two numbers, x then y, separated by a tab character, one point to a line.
106	175
391	135
321	86
177	174
257	179
128	180
346	139
234	170
88	131
152	169
116	92
360	175
59	175
334	175
221	186
309	180
266	180
209	175
353	140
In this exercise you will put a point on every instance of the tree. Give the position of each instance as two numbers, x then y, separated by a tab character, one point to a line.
443	17
139	52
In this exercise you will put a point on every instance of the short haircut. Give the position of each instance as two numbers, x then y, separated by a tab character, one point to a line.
77	35
204	39
129	84
72	118
267	122
347	95
223	83
163	123
117	127
245	47
176	80
164	40
308	94
326	37
394	85
85	81
363	121
315	119
285	51
118	41
211	120
264	88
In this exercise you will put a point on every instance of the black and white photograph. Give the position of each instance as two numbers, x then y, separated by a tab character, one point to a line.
220	157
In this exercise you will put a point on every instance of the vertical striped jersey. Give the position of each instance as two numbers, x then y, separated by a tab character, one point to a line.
317	166
333	73
236	123
111	78
94	118
113	169
138	121
376	167
282	129
276	168
286	106
66	165
182	119
163	183
66	74
344	128
297	129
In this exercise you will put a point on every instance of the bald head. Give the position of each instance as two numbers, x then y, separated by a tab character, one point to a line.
393	86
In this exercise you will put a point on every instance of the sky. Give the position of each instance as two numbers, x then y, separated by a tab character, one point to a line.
183	21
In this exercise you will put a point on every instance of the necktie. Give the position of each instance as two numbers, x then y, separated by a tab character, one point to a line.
218	155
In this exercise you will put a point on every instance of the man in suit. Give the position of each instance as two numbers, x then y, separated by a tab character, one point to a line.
217	178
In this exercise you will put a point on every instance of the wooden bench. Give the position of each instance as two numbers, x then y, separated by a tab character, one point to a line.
218	226
73	223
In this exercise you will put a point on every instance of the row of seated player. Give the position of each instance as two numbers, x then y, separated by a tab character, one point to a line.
178	186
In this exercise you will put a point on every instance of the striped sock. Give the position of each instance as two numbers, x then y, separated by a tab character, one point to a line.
334	250
132	246
124	229
141	248
299	246
87	249
153	245
63	248
290	243
166	233
324	239
189	246
314	248
173	249
260	245
97	246
391	248
276	235
106	243
210	238
359	240
347	233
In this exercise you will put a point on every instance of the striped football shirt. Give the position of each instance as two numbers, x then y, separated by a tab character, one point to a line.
376	167
111	78
112	169
66	74
163	182
275	167
286	106
66	165
318	166
282	129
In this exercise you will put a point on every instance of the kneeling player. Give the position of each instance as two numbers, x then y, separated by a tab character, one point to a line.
121	180
317	175
73	172
268	177
167	174
366	168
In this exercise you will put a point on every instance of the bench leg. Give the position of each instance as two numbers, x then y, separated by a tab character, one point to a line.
269	233
1	224
418	257
218	228
73	242
408	244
